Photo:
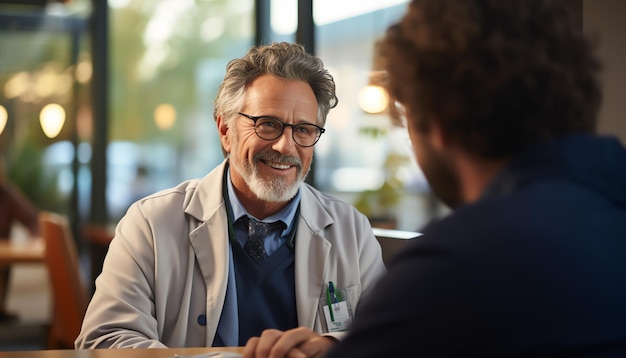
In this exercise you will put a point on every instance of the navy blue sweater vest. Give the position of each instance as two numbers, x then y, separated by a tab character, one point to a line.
265	292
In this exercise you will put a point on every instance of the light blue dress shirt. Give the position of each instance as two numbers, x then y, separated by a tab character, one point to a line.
274	239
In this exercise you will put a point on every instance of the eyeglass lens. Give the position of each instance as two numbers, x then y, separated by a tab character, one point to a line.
304	134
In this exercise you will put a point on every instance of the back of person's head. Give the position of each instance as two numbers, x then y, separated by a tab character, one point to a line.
497	75
283	60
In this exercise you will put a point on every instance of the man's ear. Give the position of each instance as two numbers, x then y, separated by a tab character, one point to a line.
222	129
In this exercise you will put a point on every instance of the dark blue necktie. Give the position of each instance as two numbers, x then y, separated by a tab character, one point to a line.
257	231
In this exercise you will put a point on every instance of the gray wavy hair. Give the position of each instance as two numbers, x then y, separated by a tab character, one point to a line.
284	60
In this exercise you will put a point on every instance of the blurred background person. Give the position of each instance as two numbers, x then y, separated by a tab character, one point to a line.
15	208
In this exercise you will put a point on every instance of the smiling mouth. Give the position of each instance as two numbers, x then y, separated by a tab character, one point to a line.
275	165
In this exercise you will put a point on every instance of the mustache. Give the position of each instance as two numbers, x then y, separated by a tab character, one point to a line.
277	158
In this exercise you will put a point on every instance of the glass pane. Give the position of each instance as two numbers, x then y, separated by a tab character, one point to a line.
362	157
45	93
167	61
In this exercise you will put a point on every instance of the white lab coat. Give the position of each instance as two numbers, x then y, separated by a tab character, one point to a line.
168	264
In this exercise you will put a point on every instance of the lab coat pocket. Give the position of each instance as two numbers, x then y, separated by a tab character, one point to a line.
335	307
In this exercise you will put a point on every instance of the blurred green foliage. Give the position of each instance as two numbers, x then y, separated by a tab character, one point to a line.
380	203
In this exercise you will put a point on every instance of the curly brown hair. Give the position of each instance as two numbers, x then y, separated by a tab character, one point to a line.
497	75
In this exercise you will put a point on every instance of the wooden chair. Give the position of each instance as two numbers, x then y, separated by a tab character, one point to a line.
69	294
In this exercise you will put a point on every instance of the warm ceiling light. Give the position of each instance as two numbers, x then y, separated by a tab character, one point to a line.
17	85
373	99
164	116
52	118
4	117
84	71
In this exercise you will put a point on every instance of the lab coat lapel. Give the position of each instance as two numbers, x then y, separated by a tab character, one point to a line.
210	243
311	256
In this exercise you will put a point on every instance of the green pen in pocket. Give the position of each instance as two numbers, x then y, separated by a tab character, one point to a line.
336	313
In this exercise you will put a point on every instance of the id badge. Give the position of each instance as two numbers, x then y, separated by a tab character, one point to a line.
335	310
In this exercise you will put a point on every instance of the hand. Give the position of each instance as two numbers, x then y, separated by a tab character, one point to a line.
299	342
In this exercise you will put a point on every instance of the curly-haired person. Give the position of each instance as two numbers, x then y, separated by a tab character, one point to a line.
501	99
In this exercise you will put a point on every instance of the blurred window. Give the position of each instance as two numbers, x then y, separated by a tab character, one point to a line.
362	157
44	80
167	60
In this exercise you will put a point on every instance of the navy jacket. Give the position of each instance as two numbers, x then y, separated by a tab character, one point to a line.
535	268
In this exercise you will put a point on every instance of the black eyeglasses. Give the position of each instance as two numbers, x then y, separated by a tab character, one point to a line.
270	128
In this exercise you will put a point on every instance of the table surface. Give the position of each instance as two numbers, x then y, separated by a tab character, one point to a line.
219	352
27	251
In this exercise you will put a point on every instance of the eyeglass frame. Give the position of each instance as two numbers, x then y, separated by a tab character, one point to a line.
282	129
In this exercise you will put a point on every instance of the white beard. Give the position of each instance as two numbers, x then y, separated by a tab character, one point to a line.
273	190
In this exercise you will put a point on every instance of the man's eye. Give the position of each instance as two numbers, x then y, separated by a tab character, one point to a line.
269	123
304	129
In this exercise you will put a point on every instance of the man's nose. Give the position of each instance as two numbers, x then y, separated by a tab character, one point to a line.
285	143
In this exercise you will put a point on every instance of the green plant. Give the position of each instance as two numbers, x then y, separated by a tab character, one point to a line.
378	204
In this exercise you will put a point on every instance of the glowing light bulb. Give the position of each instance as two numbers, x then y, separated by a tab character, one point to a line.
52	118
4	117
164	116
373	99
